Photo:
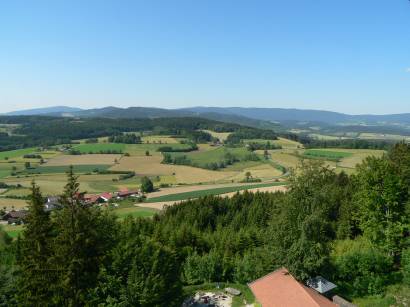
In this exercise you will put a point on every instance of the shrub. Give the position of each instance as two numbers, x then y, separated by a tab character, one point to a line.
405	264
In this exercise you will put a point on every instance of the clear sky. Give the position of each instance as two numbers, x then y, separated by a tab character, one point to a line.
349	55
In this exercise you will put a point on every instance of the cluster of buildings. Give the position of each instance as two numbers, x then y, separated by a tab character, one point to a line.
53	202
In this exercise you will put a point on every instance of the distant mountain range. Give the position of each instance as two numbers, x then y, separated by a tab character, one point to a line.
261	117
42	111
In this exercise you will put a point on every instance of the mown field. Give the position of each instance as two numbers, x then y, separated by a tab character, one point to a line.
215	191
60	169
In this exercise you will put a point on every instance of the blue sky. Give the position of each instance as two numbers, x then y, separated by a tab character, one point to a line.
351	56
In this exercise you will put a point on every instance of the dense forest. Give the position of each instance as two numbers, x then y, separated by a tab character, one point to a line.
46	131
351	229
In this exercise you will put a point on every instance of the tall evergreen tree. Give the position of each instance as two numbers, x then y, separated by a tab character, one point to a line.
35	253
84	234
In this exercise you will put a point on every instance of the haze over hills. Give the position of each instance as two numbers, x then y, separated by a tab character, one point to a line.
43	111
225	113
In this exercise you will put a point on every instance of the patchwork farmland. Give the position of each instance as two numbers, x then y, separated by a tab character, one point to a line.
99	167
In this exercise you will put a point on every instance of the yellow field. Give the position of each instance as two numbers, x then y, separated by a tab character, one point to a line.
163	139
63	160
289	158
380	136
284	158
222	136
326	137
262	171
10	204
151	166
287	144
358	156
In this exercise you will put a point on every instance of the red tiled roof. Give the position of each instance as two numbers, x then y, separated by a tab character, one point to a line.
106	195
126	193
280	289
91	198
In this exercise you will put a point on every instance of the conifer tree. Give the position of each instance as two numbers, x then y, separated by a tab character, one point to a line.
35	252
83	237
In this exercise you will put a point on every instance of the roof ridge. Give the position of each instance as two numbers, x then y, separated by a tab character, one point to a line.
271	273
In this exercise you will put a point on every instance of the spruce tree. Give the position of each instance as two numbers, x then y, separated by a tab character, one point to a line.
84	235
35	252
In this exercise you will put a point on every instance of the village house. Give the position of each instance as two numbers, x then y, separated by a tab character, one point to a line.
15	217
280	288
104	197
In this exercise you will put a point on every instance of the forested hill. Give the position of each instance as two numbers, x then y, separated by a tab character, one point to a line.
250	116
27	131
144	112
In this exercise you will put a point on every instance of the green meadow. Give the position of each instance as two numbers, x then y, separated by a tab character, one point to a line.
16	153
216	191
99	147
326	154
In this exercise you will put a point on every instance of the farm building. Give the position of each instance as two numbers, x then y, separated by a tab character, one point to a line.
90	198
127	193
104	197
280	288
97	198
15	217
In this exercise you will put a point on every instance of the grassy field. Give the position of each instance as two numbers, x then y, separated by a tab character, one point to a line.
53	184
98	147
79	169
214	155
382	136
100	159
16	153
339	159
222	136
324	137
11	203
263	171
140	149
135	212
326	154
163	139
152	166
287	144
216	191
13	230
